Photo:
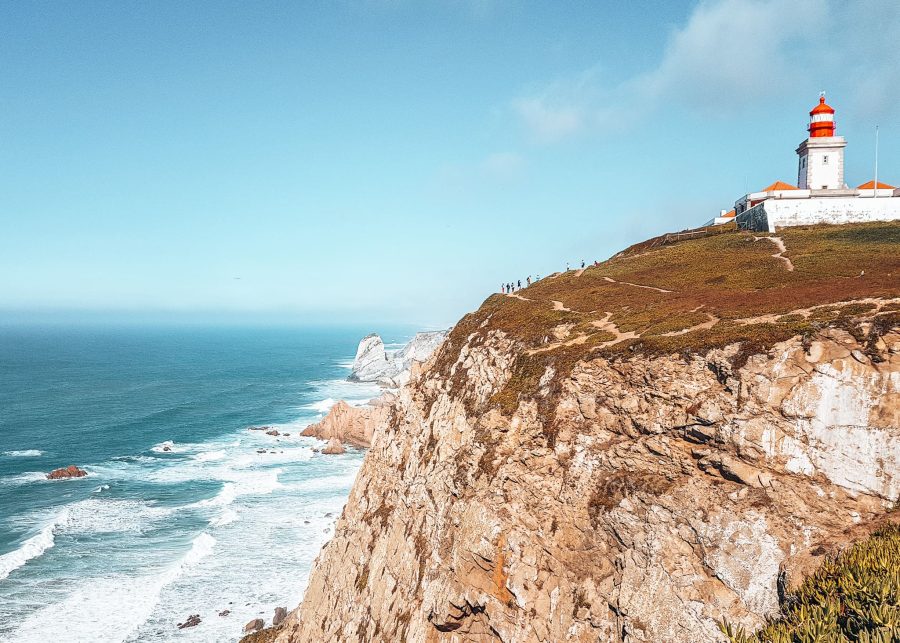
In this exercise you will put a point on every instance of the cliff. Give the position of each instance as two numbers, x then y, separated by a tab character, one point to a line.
631	452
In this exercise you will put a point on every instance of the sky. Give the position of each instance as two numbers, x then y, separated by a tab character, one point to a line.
397	160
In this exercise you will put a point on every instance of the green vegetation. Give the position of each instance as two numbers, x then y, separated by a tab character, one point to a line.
684	297
853	597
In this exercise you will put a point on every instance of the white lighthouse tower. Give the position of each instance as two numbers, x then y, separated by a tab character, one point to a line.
821	165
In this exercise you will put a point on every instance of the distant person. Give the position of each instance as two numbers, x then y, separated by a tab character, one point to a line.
528	280
520	284
582	264
567	267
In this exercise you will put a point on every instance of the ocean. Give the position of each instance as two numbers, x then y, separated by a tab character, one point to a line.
184	511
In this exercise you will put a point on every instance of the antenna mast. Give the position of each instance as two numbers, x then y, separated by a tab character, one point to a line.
875	193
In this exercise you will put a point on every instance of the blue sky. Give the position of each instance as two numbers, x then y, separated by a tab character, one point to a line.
396	160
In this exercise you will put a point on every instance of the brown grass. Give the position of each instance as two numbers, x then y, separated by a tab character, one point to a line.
727	275
621	484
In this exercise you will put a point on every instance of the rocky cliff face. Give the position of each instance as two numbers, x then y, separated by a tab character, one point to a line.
352	424
584	472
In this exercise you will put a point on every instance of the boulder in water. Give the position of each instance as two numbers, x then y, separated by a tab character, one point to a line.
334	447
255	625
280	615
272	432
70	471
192	621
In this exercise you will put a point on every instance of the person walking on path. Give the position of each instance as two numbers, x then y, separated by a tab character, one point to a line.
567	267
582	264
520	284
528	280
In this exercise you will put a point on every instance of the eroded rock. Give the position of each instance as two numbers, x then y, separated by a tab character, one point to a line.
192	621
70	471
334	447
652	495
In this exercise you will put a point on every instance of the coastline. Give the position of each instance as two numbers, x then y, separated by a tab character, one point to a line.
198	501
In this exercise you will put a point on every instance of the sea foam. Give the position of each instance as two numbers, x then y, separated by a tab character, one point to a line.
31	548
85	611
168	446
26	453
26	477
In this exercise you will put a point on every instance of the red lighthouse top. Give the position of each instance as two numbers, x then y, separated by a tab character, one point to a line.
821	119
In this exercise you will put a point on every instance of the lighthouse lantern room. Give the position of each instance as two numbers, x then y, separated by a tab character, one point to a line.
821	163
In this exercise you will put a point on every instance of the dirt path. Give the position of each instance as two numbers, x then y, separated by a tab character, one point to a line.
517	296
558	305
579	339
779	243
713	320
806	312
628	283
610	327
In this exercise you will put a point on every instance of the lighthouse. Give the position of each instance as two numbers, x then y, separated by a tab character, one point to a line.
821	163
820	196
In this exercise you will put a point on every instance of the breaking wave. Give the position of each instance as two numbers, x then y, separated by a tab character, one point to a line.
31	548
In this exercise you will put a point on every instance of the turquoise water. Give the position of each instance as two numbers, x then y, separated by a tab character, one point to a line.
180	513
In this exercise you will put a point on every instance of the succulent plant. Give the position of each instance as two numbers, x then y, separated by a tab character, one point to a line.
854	597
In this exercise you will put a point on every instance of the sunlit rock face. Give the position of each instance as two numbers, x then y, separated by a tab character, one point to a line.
632	452
673	493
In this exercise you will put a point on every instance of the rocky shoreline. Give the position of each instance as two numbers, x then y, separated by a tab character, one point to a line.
553	475
355	425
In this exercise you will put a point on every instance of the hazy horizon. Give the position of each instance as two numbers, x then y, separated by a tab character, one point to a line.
396	161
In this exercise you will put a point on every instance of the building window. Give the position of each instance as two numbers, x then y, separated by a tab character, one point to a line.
825	160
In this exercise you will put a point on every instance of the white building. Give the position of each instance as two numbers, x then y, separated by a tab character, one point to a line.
821	195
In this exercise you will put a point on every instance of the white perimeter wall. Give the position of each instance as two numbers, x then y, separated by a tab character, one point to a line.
789	212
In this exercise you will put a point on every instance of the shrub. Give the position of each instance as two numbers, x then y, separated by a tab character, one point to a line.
853	597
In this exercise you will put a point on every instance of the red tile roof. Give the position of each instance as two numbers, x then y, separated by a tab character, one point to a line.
870	185
779	185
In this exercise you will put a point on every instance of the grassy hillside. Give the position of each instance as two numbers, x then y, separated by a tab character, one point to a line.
694	295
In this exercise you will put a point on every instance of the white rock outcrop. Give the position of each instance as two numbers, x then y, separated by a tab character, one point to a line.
391	369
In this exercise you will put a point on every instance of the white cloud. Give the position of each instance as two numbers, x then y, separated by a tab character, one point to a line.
733	50
730	55
549	122
503	166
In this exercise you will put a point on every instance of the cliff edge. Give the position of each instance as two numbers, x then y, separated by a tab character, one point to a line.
630	452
